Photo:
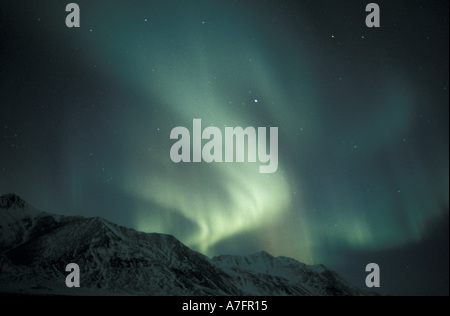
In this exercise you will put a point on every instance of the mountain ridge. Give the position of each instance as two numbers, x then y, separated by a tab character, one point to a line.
36	246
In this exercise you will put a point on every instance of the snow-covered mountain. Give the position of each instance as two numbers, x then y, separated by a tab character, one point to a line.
35	248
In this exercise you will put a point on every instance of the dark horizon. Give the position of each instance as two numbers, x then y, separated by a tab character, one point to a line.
406	255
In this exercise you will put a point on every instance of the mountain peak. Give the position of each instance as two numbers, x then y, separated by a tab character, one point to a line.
35	246
262	254
12	201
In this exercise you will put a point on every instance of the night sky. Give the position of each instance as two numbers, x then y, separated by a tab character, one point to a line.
362	116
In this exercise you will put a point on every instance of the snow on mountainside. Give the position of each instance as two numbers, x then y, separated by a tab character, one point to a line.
35	248
313	280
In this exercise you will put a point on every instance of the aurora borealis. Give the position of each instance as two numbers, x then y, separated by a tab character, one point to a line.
362	117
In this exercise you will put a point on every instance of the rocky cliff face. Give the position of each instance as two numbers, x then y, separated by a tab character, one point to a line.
35	248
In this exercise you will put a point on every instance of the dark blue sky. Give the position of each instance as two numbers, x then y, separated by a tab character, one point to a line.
362	113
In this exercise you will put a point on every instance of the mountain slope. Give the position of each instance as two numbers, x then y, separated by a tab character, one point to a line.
36	246
312	280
